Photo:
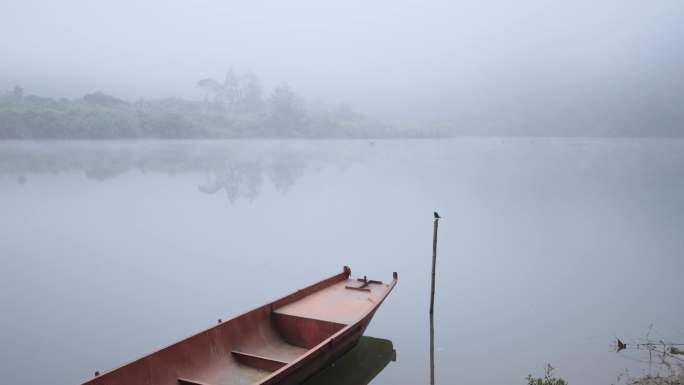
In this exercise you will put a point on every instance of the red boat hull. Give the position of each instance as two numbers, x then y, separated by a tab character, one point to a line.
283	342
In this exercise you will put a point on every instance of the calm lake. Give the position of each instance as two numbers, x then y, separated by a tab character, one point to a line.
548	250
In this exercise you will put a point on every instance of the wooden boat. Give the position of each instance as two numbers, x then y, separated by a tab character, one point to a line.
283	342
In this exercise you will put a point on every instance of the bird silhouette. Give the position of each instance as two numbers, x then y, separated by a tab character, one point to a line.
437	215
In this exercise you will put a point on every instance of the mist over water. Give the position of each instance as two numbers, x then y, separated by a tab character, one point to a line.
549	248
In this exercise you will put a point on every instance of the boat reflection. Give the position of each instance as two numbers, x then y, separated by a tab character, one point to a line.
359	366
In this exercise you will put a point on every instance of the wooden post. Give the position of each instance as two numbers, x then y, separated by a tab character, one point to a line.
434	262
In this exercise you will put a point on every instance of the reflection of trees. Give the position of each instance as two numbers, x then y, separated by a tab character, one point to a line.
238	168
241	180
284	170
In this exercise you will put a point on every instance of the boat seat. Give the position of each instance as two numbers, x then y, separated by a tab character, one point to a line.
257	361
265	364
340	303
185	381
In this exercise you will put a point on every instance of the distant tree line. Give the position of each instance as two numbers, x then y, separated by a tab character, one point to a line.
233	108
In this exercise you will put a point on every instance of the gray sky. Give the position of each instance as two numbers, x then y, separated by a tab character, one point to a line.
398	60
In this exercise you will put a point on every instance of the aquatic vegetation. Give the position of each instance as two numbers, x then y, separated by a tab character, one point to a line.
548	379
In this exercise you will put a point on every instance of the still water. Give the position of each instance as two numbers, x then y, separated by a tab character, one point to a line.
548	250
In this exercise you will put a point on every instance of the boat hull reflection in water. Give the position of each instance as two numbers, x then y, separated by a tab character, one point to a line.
359	366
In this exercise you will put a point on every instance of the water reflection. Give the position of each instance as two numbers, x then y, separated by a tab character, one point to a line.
238	180
236	169
556	246
359	366
432	349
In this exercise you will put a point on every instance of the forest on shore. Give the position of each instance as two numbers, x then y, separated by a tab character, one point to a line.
238	107
233	108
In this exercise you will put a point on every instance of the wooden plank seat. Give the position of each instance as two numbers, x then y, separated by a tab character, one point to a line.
257	361
185	381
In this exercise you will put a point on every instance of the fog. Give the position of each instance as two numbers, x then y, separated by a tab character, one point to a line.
164	164
535	66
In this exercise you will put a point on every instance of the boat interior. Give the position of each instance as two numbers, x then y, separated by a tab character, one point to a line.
251	347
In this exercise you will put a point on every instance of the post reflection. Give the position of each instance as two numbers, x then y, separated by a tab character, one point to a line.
432	350
359	366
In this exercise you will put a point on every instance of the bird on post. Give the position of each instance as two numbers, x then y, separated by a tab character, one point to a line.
437	215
